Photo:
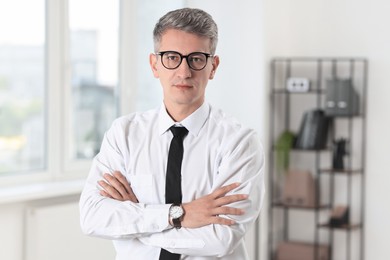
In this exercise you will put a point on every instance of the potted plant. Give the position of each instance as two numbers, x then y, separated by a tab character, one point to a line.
284	144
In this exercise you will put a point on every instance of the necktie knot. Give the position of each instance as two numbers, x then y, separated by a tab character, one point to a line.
178	131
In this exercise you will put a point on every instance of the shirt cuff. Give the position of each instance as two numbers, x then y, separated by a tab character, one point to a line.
156	217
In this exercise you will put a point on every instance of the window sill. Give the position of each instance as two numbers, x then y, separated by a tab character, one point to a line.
39	191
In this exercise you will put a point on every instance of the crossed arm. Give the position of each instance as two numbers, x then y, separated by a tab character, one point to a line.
198	213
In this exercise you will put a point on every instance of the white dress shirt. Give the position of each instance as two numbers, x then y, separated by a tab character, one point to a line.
217	151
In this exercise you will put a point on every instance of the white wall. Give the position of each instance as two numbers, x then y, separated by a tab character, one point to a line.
46	229
52	232
347	28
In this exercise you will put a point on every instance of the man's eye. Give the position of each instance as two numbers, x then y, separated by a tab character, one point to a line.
173	57
197	59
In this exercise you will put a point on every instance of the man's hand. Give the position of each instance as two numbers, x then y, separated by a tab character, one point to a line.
206	210
116	187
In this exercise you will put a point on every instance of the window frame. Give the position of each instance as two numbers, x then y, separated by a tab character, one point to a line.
59	166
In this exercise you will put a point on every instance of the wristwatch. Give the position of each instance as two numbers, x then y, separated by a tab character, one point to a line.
176	213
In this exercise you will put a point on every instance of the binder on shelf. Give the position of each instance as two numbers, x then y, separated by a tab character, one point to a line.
313	131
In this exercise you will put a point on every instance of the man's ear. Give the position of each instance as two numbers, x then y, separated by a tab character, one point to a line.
215	66
153	64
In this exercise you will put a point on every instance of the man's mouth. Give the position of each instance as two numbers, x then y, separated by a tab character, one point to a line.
182	86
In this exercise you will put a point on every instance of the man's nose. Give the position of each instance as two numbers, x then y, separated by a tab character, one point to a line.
184	70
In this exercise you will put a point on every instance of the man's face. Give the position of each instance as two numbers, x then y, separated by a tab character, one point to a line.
183	87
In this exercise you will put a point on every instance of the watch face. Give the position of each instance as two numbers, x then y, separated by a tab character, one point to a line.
176	211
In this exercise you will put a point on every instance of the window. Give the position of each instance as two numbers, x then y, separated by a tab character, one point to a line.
94	45
63	81
22	86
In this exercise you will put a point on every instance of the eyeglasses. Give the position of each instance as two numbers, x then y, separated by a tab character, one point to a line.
195	60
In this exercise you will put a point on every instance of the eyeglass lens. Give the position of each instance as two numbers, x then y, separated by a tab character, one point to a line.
196	60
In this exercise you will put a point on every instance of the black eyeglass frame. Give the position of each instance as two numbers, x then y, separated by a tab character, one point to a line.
208	55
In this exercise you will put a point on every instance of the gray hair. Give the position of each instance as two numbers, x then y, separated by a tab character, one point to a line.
189	20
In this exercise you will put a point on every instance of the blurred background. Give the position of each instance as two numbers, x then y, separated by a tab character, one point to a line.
68	68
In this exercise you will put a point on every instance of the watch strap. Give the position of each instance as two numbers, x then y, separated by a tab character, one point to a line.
177	222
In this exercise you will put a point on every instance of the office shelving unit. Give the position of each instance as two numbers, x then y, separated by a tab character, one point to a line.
310	225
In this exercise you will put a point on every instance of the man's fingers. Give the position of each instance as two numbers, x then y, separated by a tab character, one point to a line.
108	189
227	211
126	185
222	221
132	196
105	194
122	179
114	182
230	199
116	187
220	192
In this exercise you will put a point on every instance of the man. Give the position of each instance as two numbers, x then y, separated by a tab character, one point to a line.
202	210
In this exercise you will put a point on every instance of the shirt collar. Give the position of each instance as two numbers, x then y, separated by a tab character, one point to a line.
193	122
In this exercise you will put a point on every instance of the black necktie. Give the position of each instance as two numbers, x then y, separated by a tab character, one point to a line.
173	178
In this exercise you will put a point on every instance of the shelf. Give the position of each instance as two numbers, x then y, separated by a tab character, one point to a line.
293	149
326	149
302	243
341	171
319	59
356	116
285	91
284	205
287	110
343	227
